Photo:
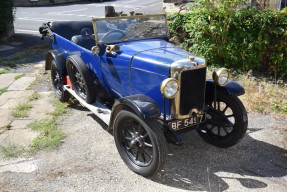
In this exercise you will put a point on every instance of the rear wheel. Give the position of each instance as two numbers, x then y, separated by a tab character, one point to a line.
228	123
140	143
81	79
57	83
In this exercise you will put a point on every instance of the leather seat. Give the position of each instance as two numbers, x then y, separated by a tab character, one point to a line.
85	42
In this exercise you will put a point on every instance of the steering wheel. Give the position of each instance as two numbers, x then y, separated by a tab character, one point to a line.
108	37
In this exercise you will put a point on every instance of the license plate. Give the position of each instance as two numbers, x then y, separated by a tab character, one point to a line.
183	123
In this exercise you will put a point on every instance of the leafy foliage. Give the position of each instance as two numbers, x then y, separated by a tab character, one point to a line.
245	38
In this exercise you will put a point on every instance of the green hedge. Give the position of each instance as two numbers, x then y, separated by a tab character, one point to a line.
6	16
245	38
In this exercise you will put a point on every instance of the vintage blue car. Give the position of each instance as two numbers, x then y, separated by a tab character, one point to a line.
153	91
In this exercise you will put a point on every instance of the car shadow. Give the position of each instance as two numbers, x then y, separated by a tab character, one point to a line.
199	166
31	49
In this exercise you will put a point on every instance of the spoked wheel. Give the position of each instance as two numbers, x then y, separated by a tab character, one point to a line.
228	123
79	82
142	146
57	83
81	79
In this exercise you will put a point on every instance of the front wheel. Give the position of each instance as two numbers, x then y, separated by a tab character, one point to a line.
141	144
228	122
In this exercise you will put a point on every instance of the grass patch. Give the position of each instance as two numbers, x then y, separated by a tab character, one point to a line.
263	96
2	60
21	110
7	63
32	84
6	70
34	96
38	49
3	90
8	126
12	150
19	76
60	108
49	137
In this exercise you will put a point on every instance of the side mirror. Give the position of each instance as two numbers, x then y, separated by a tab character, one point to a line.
110	48
87	33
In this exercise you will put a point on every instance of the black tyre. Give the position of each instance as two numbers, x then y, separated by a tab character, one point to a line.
141	144
82	79
57	83
228	124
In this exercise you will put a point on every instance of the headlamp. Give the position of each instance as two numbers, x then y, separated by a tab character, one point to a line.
221	76
169	87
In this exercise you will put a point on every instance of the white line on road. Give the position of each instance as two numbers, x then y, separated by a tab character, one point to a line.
149	6
69	14
127	2
71	11
26	31
117	5
38	19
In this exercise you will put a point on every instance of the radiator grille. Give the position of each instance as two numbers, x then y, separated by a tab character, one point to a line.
192	90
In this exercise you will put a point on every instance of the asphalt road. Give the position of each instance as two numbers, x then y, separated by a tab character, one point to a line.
28	19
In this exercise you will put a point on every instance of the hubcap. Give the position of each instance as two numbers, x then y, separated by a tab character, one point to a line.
57	83
79	82
137	143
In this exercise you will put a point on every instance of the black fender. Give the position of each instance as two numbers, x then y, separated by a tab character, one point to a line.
142	105
59	59
232	88
79	60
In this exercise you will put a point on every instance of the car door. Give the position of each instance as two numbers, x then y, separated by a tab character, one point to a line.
116	72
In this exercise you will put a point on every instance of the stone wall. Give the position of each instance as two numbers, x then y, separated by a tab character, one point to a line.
19	3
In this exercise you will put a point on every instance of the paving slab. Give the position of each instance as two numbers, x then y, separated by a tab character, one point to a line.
40	65
6	47
27	166
5	118
7	79
42	106
22	83
19	137
11	99
20	124
45	98
40	111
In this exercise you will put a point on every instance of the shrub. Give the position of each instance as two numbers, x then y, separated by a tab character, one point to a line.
246	38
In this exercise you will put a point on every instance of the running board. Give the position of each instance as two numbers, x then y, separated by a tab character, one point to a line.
97	108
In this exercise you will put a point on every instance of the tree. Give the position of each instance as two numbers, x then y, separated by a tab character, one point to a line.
6	19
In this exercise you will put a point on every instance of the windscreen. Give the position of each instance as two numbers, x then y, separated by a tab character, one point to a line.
131	28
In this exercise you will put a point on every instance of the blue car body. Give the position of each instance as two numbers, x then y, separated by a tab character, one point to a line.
139	68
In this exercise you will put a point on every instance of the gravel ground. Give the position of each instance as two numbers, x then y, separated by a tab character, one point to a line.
88	161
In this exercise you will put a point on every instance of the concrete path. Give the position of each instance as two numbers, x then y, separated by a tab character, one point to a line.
16	131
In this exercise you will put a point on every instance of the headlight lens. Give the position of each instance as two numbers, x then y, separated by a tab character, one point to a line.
221	76
169	88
